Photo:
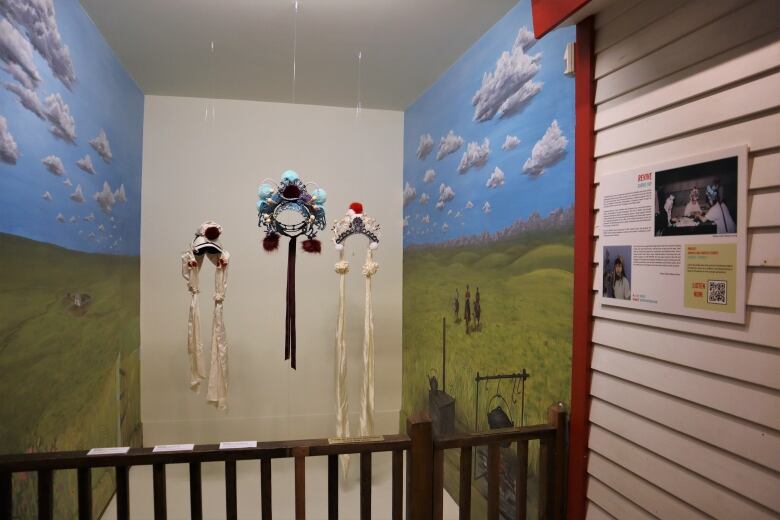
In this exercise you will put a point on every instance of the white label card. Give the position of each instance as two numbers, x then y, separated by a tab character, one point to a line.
237	444
173	447
109	451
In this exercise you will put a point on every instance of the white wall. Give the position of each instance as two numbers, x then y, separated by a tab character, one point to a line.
195	170
685	415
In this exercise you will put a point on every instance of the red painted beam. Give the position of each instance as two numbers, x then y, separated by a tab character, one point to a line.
548	14
582	347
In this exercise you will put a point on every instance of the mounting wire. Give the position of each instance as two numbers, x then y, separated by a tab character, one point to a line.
359	104
295	48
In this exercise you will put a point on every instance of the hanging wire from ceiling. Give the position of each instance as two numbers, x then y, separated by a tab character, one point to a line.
295	47
359	104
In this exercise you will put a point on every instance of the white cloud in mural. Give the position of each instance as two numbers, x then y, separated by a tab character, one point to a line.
510	143
486	207
102	146
85	163
445	228
17	55
105	198
405	224
409	194
446	194
54	165
47	196
458	214
58	114
496	178
67	182
38	20
513	69
9	152
78	195
426	219
425	146
525	38
120	196
476	155
90	218
102	228
449	212
547	151
429	176
72	220
424	198
91	235
27	98
60	217
520	99
469	205
448	144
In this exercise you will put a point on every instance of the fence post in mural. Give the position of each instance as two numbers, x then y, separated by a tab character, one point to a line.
556	416
419	477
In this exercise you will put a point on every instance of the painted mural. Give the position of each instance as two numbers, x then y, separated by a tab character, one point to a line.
488	243
71	124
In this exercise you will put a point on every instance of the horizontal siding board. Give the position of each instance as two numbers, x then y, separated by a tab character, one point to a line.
746	440
613	503
758	134
764	291
743	100
594	512
749	480
755	404
750	59
760	327
644	494
765	170
633	20
702	494
743	25
753	365
612	12
650	36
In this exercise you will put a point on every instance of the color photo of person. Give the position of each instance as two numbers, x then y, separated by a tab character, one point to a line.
616	266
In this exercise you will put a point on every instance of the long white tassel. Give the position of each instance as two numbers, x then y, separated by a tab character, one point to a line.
190	271
342	405
218	373
367	410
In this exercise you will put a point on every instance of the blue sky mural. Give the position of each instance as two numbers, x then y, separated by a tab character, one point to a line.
492	141
71	123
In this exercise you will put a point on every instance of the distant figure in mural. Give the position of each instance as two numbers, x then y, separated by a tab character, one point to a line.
467	308
477	310
456	306
621	285
609	277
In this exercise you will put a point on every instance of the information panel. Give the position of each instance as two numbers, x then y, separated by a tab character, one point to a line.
673	237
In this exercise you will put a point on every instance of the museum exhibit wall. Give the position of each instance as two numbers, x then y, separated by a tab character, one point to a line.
488	218
198	168
70	185
685	413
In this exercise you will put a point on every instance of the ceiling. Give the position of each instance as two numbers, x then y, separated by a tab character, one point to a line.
406	46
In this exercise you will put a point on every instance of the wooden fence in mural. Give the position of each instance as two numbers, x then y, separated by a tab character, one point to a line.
425	472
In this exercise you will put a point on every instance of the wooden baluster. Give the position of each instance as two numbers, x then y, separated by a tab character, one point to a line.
122	493
265	488
6	494
521	480
398	487
420	468
231	499
333	487
464	493
365	486
494	480
196	492
556	416
84	478
300	482
438	484
158	482
545	456
45	495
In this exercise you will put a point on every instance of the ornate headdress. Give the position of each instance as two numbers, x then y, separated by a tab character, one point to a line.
291	197
355	223
206	244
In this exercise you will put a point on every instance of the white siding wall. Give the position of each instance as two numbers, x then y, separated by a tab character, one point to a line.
685	415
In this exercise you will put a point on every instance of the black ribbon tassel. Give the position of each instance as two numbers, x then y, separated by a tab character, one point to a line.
289	326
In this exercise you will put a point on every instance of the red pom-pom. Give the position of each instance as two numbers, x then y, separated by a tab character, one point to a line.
212	233
271	242
356	207
312	246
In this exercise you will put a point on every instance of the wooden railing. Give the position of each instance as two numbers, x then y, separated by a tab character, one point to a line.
424	494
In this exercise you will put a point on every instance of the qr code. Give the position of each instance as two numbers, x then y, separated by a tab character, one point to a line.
716	291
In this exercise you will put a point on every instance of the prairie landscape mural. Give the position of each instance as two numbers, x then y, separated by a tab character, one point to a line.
488	242
70	184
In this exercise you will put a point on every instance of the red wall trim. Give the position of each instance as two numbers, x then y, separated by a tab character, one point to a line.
547	14
584	169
